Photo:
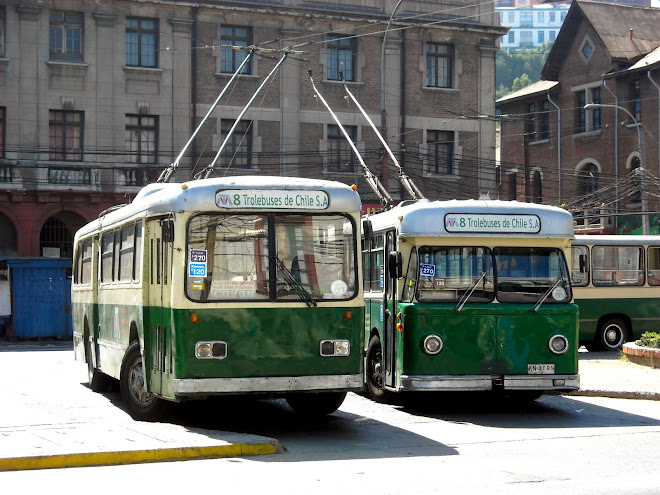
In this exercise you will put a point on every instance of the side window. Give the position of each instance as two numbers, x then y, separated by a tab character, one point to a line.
137	264
376	262
366	280
83	263
107	257
654	266
411	277
580	266
86	263
126	252
617	265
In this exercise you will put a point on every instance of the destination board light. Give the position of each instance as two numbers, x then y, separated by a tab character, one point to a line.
502	223
272	199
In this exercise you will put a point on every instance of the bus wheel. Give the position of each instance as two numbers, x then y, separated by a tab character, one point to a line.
142	405
612	334
98	381
315	404
374	369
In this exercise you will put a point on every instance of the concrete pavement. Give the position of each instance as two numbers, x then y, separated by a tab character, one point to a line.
41	432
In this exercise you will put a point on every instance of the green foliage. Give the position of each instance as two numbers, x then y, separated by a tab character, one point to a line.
519	65
649	339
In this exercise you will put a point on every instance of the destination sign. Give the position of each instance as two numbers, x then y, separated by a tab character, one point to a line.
267	199
492	223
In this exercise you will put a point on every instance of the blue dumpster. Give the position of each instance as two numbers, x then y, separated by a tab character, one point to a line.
40	298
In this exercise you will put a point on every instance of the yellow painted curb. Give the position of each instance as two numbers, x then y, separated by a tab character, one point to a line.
133	457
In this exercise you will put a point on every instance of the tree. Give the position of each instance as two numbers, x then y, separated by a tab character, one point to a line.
511	65
521	82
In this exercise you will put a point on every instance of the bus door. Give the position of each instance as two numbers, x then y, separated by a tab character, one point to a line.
389	304
158	334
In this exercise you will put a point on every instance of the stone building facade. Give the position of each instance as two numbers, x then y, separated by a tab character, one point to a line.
98	98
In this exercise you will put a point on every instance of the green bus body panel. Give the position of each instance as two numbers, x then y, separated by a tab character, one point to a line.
487	339
642	313
260	343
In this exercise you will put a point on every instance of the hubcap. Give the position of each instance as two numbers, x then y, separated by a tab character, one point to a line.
137	387
613	335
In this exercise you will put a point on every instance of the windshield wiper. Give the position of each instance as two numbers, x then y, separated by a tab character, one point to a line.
297	286
540	300
469	292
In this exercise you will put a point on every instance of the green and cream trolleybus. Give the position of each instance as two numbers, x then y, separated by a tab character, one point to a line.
616	284
243	285
469	296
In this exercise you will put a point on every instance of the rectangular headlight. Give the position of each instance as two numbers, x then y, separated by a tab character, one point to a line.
335	348
215	349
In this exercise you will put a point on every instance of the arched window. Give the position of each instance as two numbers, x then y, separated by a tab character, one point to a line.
537	187
56	238
636	181
587	180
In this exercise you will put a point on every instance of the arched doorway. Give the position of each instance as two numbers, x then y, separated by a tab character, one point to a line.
8	241
56	237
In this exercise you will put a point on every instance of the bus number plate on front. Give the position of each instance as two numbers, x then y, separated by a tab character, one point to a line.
541	369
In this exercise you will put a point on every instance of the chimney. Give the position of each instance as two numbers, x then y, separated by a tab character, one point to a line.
631	34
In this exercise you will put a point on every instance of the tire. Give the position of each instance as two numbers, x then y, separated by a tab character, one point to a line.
374	371
141	404
612	334
315	404
98	381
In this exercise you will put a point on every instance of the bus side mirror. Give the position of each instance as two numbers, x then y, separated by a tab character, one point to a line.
167	230
367	229
395	264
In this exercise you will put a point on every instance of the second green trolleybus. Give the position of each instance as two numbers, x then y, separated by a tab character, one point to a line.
468	296
244	285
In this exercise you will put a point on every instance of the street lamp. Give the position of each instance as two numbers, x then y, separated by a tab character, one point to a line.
642	159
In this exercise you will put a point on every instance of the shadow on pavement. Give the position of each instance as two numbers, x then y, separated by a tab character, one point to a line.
552	411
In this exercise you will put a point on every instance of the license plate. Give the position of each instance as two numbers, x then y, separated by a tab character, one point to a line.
541	369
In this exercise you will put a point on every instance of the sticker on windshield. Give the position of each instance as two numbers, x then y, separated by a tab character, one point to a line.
559	294
426	270
338	288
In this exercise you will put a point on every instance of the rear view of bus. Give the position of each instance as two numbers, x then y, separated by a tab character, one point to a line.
245	285
470	296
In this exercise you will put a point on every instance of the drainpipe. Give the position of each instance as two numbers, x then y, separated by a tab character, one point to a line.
558	143
616	157
648	73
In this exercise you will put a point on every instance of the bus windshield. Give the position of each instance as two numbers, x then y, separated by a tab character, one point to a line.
446	273
271	257
510	274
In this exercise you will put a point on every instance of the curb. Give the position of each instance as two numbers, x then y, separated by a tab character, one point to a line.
136	456
611	394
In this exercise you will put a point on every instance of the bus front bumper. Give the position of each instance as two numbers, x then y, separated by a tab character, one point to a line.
271	384
561	383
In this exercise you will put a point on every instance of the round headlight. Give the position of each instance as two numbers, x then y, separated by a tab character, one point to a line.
432	344
558	344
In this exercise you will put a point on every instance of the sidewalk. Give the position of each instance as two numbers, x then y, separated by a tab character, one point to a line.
606	374
41	430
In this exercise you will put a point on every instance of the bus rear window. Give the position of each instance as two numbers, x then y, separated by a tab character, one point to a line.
285	257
